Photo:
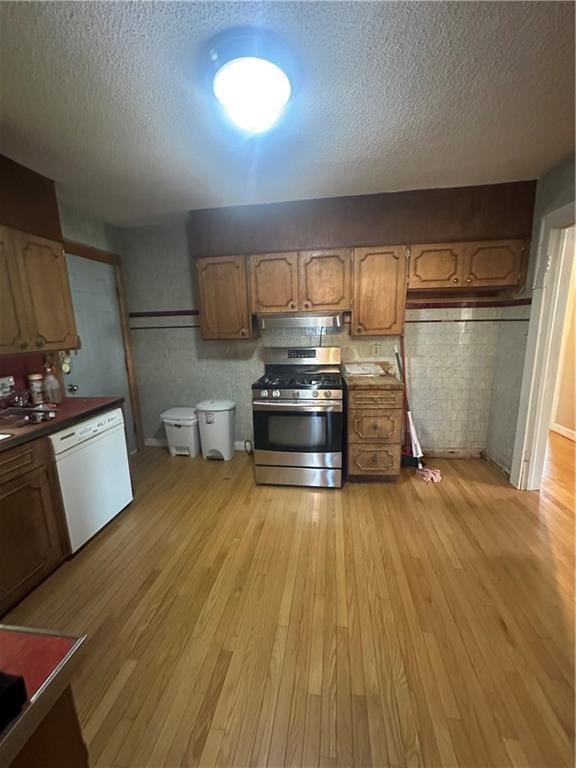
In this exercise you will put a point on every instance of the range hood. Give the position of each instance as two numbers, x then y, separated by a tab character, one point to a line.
291	320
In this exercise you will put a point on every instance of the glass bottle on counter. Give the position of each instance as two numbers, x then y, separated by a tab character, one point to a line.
51	386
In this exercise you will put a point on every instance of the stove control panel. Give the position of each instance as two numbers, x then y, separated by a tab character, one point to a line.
301	354
276	393
327	393
264	393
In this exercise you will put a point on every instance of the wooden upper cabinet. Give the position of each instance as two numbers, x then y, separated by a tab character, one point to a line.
223	293
437	265
325	280
274	282
48	301
379	291
496	264
14	334
485	264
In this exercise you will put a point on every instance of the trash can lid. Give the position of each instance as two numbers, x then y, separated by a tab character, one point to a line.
215	405
182	413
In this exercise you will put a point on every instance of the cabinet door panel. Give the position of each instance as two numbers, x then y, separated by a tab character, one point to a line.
379	291
365	459
30	539
496	264
325	280
14	334
376	398
437	265
223	296
274	282
374	425
47	290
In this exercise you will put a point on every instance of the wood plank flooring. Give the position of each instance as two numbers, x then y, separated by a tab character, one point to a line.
383	625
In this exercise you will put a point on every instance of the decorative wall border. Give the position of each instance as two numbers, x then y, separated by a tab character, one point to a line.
410	306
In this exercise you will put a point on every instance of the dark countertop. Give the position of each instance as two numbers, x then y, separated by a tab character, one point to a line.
70	411
46	660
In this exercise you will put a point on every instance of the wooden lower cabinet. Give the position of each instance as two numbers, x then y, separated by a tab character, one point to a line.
33	540
372	459
371	424
374	433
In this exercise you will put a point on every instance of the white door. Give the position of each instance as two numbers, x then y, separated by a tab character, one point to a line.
99	368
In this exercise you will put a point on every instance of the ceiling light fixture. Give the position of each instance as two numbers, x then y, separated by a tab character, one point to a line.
249	78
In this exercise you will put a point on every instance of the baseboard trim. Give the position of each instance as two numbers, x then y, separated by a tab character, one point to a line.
497	465
564	431
155	442
450	453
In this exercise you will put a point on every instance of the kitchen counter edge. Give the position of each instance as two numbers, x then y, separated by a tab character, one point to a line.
372	382
94	406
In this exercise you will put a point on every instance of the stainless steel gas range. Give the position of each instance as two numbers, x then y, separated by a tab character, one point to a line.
298	417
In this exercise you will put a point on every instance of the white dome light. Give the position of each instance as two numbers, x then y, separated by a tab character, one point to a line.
253	92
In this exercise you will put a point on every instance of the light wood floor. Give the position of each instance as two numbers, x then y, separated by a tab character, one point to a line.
384	625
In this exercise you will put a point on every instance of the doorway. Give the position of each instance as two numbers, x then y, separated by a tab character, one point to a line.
100	367
551	312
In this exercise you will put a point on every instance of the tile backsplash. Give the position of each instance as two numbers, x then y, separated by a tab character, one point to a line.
450	353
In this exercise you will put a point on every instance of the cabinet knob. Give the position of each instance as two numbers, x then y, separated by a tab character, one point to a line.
39	342
455	280
24	345
242	332
358	330
306	305
468	279
292	305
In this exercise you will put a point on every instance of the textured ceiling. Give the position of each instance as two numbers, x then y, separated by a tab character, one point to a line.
106	98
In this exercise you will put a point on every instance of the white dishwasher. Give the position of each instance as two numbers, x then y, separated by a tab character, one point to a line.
94	474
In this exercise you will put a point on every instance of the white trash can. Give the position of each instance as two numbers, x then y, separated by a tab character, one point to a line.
181	425
216	420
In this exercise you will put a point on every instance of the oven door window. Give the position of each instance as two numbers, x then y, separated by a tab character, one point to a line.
300	432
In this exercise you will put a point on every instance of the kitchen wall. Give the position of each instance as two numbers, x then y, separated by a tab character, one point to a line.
451	352
555	189
512	333
85	228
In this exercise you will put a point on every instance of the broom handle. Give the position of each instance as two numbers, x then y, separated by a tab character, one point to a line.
406	404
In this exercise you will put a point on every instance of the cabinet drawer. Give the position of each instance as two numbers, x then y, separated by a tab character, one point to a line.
24	458
369	459
371	425
376	398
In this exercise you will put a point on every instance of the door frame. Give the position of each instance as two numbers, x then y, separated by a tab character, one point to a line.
107	257
541	364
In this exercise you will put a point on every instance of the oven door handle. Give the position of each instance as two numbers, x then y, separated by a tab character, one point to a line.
298	405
